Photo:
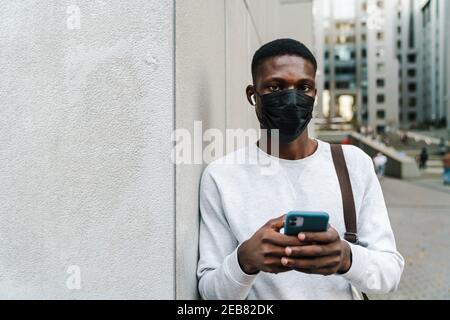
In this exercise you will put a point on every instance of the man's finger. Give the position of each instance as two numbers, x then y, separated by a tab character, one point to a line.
310	264
274	265
271	250
282	240
319	237
312	251
278	223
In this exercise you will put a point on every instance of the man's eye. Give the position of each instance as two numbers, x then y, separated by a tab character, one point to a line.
274	88
306	89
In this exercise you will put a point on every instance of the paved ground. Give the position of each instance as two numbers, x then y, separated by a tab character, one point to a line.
420	215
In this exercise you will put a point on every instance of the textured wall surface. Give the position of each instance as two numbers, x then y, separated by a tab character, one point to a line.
87	112
85	173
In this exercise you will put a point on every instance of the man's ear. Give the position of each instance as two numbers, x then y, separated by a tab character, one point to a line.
250	92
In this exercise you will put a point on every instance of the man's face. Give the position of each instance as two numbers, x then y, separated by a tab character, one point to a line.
282	73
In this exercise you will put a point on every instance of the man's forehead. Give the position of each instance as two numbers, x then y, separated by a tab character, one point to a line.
286	65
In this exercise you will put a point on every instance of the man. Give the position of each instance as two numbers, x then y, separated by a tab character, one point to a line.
243	254
423	159
446	163
380	161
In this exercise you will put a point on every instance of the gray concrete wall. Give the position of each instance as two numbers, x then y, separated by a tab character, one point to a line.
200	96
85	122
89	103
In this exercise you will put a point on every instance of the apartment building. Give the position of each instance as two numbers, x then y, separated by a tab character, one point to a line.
360	65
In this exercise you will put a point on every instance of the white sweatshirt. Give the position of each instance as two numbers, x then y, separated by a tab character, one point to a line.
238	197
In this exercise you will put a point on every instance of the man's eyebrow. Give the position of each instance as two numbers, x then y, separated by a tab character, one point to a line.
307	80
274	79
282	80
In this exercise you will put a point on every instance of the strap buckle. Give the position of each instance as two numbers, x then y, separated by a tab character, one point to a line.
351	237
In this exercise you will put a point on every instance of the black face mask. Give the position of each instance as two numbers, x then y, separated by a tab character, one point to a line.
289	111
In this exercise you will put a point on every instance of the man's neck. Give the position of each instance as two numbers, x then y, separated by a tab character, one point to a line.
300	148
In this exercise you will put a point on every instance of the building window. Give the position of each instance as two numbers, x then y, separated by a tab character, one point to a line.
412	116
346	70
381	114
411	73
342	85
412	58
365	99
380	98
412	87
380	83
380	67
412	102
381	129
380	36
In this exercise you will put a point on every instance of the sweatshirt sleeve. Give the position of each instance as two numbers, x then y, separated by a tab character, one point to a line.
376	269
219	273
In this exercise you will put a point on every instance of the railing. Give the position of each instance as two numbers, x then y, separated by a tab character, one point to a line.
399	165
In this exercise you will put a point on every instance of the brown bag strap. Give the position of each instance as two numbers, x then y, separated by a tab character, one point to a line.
348	202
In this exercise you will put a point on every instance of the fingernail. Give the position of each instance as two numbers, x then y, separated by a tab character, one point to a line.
288	251
301	236
284	261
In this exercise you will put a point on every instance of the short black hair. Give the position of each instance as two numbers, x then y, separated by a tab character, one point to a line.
281	47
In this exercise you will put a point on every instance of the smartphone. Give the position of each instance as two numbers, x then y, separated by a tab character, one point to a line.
300	221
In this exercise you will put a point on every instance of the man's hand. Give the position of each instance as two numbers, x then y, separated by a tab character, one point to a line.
319	253
265	249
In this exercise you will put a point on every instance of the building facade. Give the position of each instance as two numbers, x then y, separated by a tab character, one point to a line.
435	60
409	54
360	65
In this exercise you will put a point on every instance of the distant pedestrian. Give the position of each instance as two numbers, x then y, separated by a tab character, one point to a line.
385	139
363	131
380	161
423	158
446	162
404	138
